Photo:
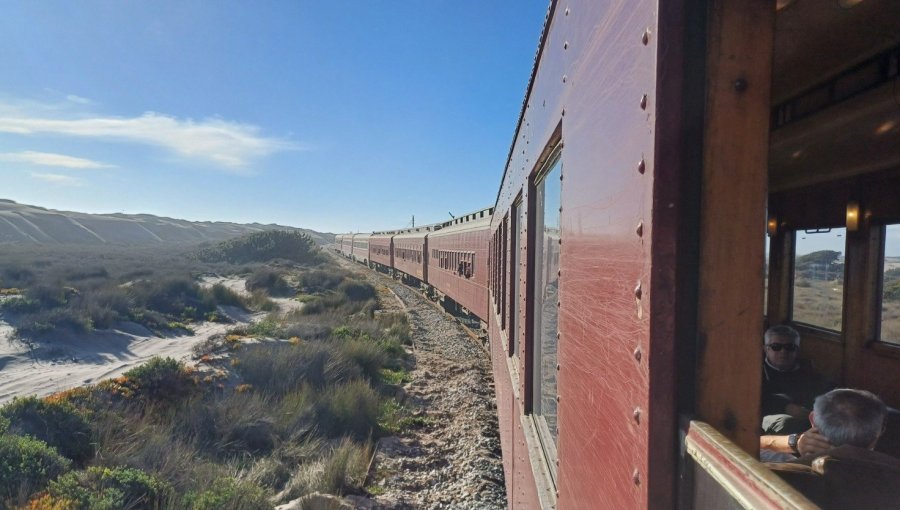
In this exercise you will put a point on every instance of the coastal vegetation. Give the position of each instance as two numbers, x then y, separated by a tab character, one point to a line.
47	292
273	410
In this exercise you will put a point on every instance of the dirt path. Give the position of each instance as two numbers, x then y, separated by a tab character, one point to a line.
454	461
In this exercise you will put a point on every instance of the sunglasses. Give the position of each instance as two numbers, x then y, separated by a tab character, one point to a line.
787	347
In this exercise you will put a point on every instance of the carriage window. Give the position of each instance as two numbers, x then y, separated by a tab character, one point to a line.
518	216
819	278
546	297
890	293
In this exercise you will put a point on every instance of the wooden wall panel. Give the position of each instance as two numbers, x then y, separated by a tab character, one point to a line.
733	199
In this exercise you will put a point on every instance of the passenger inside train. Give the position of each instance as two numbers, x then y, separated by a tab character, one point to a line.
851	472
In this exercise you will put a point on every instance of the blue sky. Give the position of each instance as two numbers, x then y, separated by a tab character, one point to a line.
337	116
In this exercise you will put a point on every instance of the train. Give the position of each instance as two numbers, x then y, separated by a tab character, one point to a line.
683	174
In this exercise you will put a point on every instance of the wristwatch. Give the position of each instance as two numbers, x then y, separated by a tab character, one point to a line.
793	439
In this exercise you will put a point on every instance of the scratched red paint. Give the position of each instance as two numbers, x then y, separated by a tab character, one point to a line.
597	47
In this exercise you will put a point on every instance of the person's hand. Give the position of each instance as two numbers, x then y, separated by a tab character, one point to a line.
812	442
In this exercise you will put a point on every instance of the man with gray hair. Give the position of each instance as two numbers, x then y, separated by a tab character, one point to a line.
789	384
849	474
849	417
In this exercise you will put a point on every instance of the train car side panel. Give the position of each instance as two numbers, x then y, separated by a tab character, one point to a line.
409	253
457	264
380	249
360	247
591	105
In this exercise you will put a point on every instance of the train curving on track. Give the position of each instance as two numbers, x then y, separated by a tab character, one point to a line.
676	166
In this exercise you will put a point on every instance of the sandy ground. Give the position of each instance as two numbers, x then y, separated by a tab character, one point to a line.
77	360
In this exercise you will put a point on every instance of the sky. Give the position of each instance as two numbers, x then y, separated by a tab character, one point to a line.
337	116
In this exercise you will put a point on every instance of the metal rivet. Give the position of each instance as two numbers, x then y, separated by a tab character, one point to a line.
644	102
646	37
563	112
640	229
637	414
637	353
638	292
557	398
567	11
636	477
566	45
740	84
557	366
642	166
564	78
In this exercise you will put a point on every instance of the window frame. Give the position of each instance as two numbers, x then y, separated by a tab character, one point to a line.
533	390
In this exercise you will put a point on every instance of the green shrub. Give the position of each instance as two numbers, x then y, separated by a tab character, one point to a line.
20	305
278	369
322	279
225	296
173	296
53	320
267	327
56	423
229	494
26	466
357	291
346	468
100	488
892	291
17	277
269	280
349	409
159	379
367	355
50	296
264	247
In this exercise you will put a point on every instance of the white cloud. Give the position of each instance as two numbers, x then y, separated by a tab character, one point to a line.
78	99
227	144
51	159
58	179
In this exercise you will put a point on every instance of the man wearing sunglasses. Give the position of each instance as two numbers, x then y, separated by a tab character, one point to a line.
790	385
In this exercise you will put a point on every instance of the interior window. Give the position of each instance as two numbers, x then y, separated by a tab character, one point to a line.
819	278
890	287
546	296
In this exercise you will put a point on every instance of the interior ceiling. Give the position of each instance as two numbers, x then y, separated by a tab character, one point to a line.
814	41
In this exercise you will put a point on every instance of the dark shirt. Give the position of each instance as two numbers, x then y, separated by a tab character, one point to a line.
799	386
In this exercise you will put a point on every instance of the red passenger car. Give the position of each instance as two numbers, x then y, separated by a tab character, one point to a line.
409	252
457	261
381	251
627	255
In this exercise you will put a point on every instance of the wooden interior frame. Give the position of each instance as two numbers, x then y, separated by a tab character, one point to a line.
740	39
